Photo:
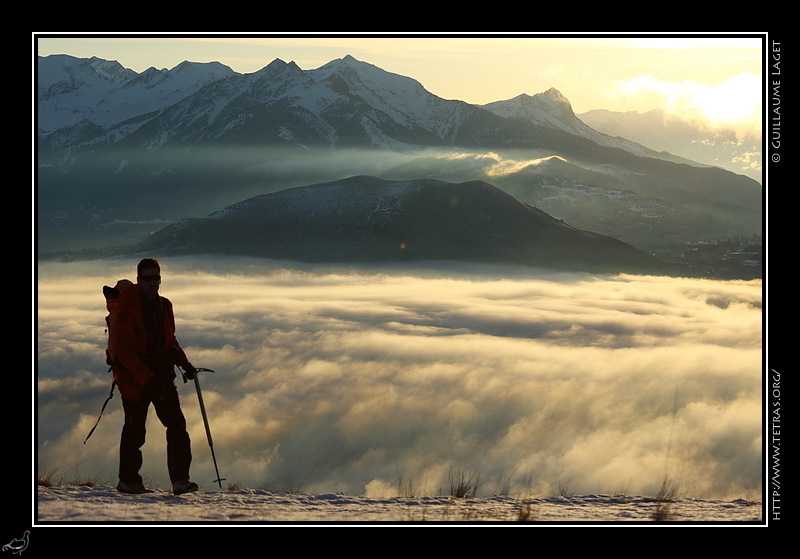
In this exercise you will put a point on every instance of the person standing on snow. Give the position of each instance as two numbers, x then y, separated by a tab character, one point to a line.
143	352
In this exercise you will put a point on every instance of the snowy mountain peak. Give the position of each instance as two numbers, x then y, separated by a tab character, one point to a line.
348	61
60	74
110	69
549	108
73	90
363	75
556	95
276	65
213	70
150	75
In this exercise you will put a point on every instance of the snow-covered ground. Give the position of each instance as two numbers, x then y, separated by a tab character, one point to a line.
75	504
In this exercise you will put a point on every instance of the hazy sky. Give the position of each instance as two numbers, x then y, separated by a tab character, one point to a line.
718	75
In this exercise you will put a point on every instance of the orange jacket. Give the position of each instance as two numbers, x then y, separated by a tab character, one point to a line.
127	342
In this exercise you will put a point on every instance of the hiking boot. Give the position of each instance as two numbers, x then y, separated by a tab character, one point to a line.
135	488
184	487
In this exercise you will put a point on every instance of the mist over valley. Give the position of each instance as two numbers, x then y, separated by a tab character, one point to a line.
373	380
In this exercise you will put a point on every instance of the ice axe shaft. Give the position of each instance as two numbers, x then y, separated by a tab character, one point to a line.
205	422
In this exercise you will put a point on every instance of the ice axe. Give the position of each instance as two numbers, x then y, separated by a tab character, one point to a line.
219	480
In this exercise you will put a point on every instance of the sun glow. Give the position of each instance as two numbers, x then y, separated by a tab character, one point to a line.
722	102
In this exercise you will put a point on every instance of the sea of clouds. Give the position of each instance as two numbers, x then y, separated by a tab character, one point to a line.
382	381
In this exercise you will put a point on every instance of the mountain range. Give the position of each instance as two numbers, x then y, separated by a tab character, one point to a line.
87	103
121	154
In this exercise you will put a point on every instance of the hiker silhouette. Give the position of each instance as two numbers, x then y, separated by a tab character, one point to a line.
143	352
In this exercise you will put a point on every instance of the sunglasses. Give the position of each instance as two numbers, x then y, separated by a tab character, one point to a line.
150	278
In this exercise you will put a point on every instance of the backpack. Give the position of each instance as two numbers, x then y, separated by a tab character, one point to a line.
111	294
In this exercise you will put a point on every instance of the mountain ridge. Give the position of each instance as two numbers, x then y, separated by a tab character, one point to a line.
379	98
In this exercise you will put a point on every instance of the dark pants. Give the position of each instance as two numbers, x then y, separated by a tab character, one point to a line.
179	453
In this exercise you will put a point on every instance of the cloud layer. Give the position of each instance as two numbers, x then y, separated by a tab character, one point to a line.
391	380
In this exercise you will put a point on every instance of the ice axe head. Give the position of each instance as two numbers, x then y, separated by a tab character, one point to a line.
198	369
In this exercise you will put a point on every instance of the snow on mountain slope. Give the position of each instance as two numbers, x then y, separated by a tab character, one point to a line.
344	102
344	99
550	108
403	99
70	90
358	196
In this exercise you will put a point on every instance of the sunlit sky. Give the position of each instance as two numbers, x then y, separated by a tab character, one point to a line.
717	75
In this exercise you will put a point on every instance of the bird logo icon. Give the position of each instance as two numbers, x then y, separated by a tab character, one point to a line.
18	545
